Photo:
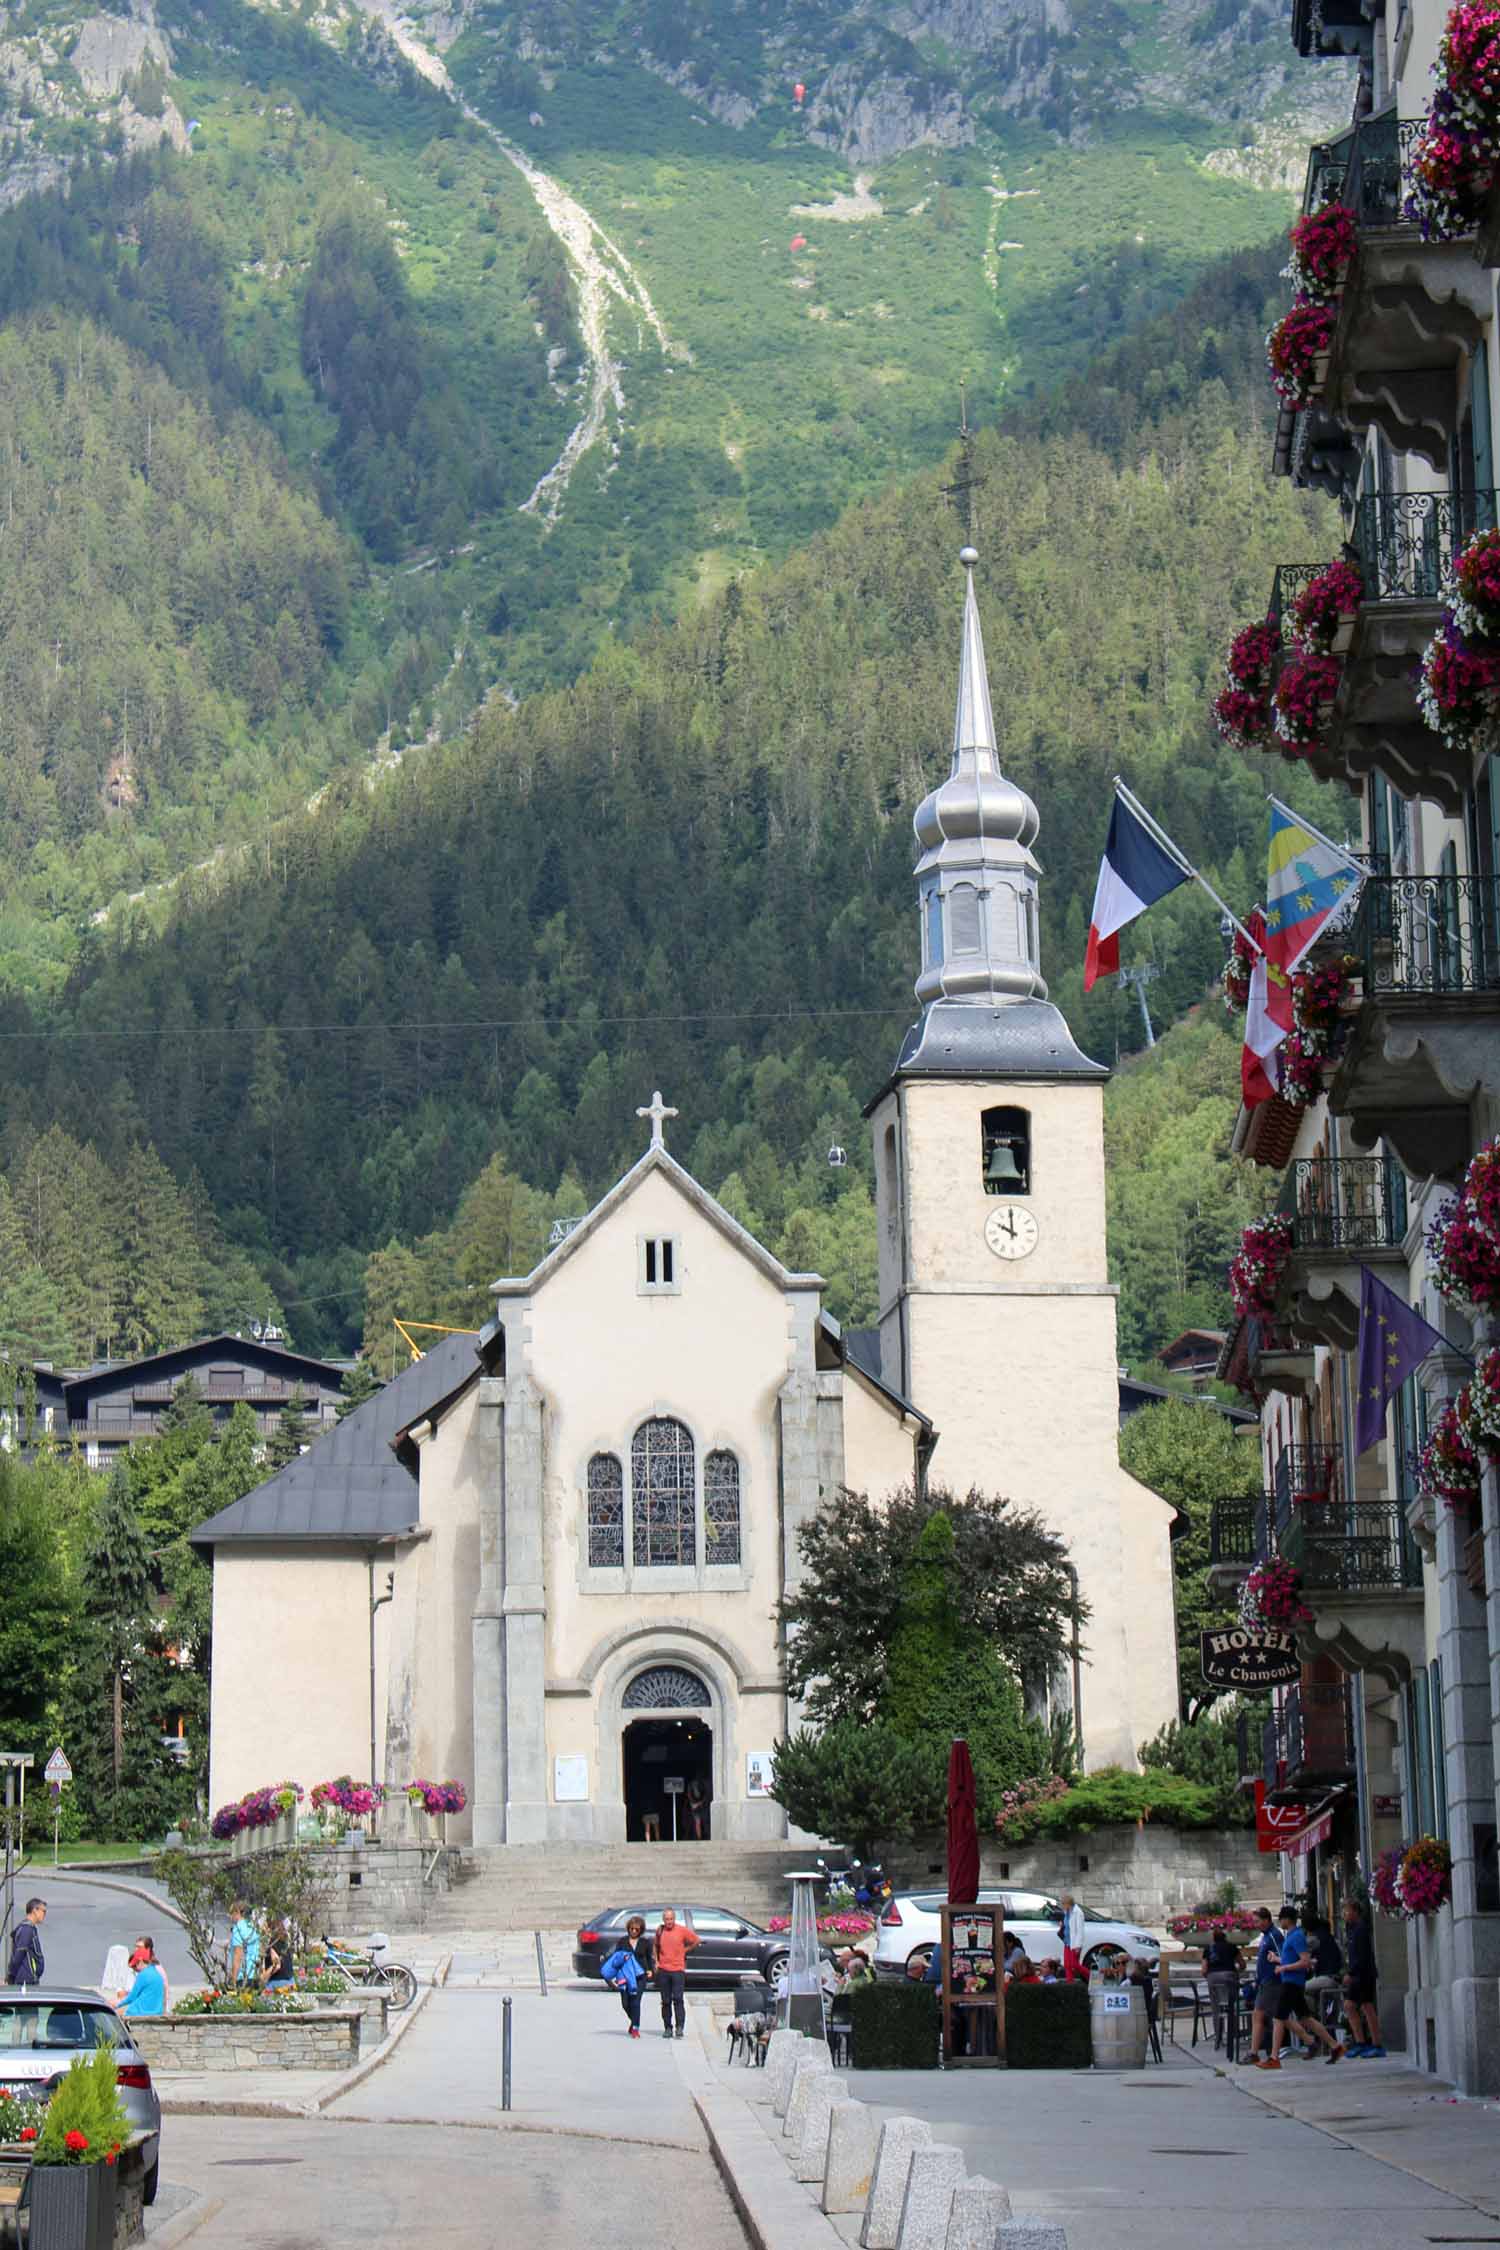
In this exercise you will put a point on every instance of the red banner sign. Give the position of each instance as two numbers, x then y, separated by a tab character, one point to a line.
1289	1828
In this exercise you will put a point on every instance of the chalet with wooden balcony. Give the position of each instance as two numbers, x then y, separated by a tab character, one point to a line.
103	1410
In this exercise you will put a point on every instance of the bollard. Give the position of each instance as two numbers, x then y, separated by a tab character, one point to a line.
541	1966
505	2053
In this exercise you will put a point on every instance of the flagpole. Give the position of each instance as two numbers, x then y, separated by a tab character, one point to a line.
1302	821
1180	857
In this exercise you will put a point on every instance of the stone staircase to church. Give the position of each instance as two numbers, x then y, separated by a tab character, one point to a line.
557	1886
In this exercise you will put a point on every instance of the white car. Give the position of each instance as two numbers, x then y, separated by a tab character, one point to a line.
911	1925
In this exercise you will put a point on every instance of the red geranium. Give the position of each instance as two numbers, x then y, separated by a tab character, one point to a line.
1293	346
75	2142
1306	688
1334	594
1322	244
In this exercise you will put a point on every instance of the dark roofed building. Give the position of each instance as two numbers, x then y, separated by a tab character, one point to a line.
120	1403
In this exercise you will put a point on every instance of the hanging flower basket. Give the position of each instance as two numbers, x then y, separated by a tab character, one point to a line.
1426	1876
1303	700
1385	1884
1242	709
1448	1464
1453	165
1242	717
1481	1190
1236	974
1322	245
1463	1258
1476	587
1320	1028
1272	1595
1324	613
1257	1266
1484	1399
1297	350
1458	689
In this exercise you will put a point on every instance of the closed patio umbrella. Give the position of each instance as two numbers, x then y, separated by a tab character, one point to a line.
963	1831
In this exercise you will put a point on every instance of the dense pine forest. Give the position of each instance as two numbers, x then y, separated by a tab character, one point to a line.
692	869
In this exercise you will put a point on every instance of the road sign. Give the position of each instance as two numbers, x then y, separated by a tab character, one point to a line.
58	1768
674	1784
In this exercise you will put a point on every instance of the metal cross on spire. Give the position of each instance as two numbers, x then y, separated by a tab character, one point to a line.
968	481
657	1110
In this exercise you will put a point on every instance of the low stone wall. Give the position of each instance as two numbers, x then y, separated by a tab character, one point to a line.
382	1887
372	2008
1138	1874
320	2039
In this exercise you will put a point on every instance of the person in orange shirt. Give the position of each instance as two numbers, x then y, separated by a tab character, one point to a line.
674	1942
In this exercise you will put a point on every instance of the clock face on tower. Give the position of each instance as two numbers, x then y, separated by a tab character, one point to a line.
1010	1231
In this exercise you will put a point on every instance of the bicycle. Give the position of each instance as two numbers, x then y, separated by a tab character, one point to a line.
368	1969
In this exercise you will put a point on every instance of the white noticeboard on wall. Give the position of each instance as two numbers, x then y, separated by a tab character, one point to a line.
570	1780
758	1773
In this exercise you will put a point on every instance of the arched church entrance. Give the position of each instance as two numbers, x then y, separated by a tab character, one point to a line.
668	1754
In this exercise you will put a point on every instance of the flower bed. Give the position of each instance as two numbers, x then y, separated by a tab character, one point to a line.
1272	1595
261	1808
1256	1268
1234	1921
1303	698
845	1924
1325	605
1323	242
1453	166
1296	351
243	2002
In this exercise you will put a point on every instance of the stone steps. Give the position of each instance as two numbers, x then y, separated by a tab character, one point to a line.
556	1886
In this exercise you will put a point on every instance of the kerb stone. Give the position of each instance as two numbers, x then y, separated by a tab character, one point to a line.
811	2153
782	2051
931	2184
808	2067
852	2137
979	2208
1031	2234
900	2137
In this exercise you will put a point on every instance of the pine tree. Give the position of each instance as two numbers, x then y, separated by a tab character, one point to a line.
159	1257
112	1716
359	1383
292	1434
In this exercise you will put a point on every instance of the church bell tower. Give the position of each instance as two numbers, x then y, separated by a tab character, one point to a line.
997	1316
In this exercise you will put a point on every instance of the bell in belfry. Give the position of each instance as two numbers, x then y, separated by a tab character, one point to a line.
1003	1171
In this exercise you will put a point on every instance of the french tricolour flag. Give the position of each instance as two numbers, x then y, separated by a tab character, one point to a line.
1136	872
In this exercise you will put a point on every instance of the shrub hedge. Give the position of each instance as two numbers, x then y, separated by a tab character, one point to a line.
895	2026
1047	2027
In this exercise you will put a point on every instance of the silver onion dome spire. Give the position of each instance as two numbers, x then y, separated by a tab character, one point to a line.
976	877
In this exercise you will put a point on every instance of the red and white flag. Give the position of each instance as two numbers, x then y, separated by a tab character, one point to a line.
1268	1019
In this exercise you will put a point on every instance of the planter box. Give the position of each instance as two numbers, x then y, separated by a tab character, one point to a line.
73	2206
316	2039
372	2008
129	2176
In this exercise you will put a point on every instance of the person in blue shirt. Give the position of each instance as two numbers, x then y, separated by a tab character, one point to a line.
1292	2003
244	1945
148	1994
1266	1984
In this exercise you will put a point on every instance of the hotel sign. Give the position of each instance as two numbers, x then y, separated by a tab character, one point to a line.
1250	1656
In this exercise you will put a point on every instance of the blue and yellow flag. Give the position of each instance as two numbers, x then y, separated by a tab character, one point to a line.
1308	879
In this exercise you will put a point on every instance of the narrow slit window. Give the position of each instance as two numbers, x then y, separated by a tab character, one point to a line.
659	1262
606	1512
964	909
721	1508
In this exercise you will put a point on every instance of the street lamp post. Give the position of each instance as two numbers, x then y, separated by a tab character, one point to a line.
377	1602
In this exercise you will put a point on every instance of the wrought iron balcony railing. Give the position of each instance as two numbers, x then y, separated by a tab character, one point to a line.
1349	1204
1327	164
1231	1531
1406	542
1378	177
1437	934
1287	584
1311	1737
1305	1475
1349	1547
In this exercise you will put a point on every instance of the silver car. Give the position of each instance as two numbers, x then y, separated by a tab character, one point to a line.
45	2029
910	1926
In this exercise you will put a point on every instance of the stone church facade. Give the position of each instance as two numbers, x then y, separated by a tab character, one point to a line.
578	1525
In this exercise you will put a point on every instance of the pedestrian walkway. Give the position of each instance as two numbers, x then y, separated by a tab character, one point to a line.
572	2069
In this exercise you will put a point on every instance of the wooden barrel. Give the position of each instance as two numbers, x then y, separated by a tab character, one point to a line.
1117	2021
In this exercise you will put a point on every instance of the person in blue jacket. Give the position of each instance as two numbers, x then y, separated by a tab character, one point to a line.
629	1969
148	1994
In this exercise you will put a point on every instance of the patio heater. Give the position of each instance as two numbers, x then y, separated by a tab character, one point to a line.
802	2006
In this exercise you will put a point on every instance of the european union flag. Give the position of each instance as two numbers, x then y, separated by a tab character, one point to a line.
1392	1341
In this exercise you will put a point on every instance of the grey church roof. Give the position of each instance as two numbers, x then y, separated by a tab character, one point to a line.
352	1483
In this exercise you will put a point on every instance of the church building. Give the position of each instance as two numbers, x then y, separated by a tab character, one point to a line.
547	1560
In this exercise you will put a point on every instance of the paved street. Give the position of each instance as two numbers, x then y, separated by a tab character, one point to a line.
85	1918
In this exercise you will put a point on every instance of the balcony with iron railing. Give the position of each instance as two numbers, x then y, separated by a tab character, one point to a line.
1342	1546
1427	1036
1239	1536
1346	1212
1410	309
1308	1742
1404	545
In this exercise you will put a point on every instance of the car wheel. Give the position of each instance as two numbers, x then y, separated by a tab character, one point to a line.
776	1973
1099	1956
150	2183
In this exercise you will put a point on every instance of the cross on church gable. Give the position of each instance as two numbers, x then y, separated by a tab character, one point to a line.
658	1112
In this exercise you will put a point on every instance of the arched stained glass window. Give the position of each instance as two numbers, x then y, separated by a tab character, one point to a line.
721	1509
666	1687
606	1503
663	1510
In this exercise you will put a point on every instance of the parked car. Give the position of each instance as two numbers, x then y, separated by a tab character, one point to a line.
911	1926
731	1947
44	2030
